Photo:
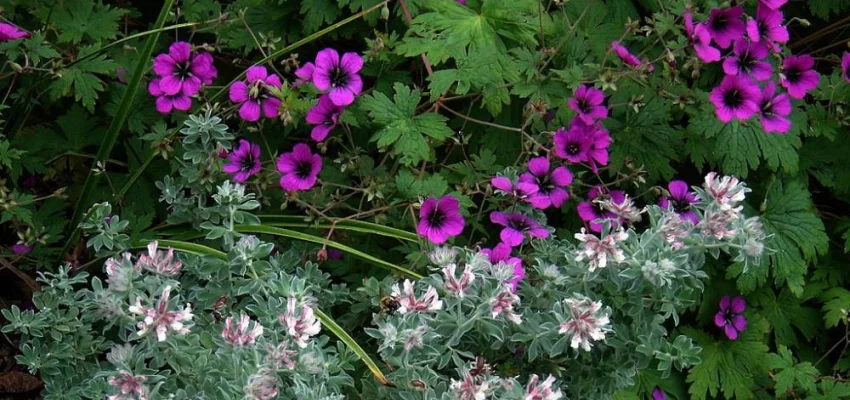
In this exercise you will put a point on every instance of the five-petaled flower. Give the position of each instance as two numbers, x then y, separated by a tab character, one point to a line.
700	38
551	186
798	75
587	102
680	200
517	227
254	94
585	322
735	98
182	71
767	27
324	117
725	25
244	161
774	109
730	317
299	168
439	219
339	77
409	303
160	319
300	322
748	59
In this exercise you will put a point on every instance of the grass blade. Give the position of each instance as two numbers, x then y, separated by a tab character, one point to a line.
296	221
117	123
326	320
271	230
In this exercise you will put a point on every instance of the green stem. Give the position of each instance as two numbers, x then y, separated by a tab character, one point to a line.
116	125
136	174
295	221
270	230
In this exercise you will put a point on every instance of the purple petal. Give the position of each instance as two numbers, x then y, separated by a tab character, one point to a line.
249	111
720	319
725	301
341	96
502	183
738	304
238	92
170	84
539	166
739	322
351	63
511	237
256	73
163	104
164	65
730	332
180	51
678	189
271	107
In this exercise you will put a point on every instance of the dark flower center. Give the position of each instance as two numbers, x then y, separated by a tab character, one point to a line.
545	184
338	77
248	163
584	106
572	148
747	61
519	223
793	74
762	28
303	169
436	218
680	205
767	108
257	91
329	118
720	23
733	98
184	70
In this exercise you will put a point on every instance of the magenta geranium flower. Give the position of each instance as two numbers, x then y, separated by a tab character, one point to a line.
572	145
680	201
182	71
845	66
730	318
299	168
587	102
244	161
551	185
501	253
338	76
304	74
773	4
735	97
254	96
599	146
625	55
767	27
701	39
798	77
748	59
21	249
9	32
725	25
516	227
323	116
165	103
593	213
522	190
774	110
440	218
658	394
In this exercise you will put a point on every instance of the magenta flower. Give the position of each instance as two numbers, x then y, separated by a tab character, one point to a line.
587	102
299	168
9	32
600	140
748	59
798	77
501	253
439	219
324	117
625	55
304	74
658	394
244	161
772	4
680	201
254	96
731	316
735	97
845	66
725	25
701	39
516	227
522	190
767	27
774	110
593	213
572	145
21	249
338	77
181	71
165	103
550	186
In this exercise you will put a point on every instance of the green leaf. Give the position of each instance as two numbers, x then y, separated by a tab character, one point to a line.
81	81
825	8
789	375
836	306
404	131
795	231
78	19
729	366
317	13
